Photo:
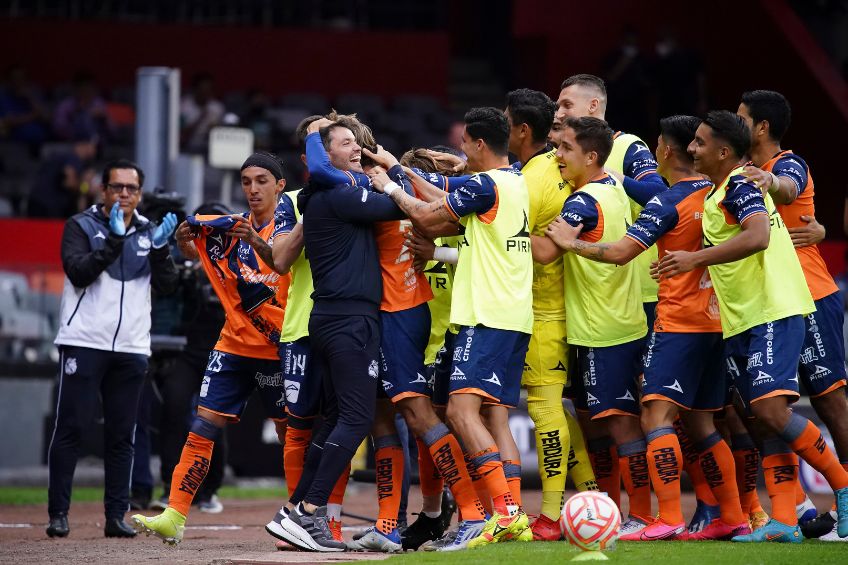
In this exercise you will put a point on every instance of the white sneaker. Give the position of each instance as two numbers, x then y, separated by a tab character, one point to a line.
466	531
832	536
374	540
632	525
211	506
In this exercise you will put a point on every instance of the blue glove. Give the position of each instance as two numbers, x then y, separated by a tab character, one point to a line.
164	230
116	221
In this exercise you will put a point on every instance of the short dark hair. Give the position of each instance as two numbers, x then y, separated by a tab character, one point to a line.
730	128
769	106
490	125
592	134
679	131
121	164
533	108
300	130
591	81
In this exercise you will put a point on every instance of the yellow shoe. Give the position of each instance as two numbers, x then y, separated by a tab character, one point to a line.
758	520
168	526
526	535
501	528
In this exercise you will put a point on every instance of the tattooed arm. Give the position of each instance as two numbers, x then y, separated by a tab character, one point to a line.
432	219
620	252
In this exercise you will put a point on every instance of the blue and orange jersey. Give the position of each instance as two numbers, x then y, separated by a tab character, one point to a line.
582	208
475	194
787	164
672	221
638	161
252	293
403	286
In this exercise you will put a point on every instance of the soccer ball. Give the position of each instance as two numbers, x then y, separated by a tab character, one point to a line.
591	521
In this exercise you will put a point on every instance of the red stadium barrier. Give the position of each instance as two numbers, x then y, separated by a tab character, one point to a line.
275	60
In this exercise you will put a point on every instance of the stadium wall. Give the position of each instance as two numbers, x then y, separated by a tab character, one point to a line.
277	61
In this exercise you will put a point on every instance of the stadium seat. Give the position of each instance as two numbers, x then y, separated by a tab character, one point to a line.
312	102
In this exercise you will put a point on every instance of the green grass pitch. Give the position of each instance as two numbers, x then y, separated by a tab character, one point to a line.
643	553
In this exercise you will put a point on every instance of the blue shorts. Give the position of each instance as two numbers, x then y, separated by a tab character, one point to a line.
822	367
489	362
609	378
687	369
440	371
302	378
763	361
651	314
405	337
230	379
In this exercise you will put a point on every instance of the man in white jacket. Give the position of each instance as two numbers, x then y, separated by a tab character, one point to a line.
111	256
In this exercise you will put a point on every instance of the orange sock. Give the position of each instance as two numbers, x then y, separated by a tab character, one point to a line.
746	458
692	466
800	495
635	477
512	472
665	463
446	454
781	472
479	487
388	459
488	463
294	454
338	492
431	481
719	471
812	448
190	472
604	460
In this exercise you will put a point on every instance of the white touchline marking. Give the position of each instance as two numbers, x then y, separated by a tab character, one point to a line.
15	525
220	527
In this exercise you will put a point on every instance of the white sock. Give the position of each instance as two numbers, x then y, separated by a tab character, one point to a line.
433	514
334	512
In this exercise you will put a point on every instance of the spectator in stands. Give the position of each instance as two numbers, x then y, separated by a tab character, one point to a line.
83	113
678	77
111	256
23	116
64	185
625	71
200	111
257	118
454	137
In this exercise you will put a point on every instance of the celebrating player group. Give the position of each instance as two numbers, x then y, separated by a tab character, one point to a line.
677	298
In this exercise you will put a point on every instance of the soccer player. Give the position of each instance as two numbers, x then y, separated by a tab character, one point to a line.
405	323
684	366
606	321
530	115
632	163
763	297
302	377
790	184
236	256
492	305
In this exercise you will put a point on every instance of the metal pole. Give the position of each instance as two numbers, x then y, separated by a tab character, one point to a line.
157	123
